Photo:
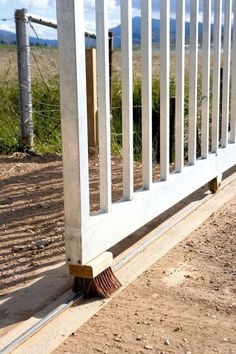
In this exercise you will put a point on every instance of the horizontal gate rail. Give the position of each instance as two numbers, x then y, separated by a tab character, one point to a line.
146	205
88	235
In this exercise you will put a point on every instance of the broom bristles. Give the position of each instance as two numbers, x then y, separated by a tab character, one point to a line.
103	285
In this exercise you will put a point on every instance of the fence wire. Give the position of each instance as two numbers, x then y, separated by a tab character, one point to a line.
46	101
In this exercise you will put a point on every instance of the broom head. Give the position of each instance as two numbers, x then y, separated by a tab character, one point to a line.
96	278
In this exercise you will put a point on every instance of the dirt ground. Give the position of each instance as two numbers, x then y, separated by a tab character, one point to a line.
185	303
31	212
31	208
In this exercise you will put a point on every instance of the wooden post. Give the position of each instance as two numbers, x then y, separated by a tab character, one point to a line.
92	100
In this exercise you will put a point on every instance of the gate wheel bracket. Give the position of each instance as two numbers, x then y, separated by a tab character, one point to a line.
215	184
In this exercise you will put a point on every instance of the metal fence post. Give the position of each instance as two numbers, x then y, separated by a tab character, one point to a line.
110	46
24	78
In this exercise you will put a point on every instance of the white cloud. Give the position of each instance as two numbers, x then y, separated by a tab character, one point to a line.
113	14
39	4
136	12
89	5
7	26
114	23
112	5
43	32
90	26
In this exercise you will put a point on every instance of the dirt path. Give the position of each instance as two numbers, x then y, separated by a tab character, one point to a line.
185	303
188	298
31	212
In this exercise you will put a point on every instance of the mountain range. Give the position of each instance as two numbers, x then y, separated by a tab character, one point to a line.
7	37
10	37
136	29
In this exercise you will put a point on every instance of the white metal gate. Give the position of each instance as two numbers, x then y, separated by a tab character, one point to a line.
87	235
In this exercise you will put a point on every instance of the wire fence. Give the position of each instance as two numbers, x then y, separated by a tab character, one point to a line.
46	101
45	93
45	96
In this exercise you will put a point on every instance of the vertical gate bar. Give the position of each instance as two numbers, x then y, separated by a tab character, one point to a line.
127	97
193	70
206	55
164	88
74	124
103	104
216	77
226	72
180	57
146	49
233	92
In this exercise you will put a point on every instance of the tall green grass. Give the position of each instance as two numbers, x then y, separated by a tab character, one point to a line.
46	116
137	115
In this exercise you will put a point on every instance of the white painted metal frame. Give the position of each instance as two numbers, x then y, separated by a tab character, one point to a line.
74	125
103	104
180	67
146	205
146	53
206	53
164	88
226	72
193	64
233	92
87	236
127	98
216	77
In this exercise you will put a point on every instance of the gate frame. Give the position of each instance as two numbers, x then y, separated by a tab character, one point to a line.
87	236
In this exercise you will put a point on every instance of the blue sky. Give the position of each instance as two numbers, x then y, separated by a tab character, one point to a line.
47	9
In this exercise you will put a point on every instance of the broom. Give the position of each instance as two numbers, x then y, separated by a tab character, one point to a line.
96	278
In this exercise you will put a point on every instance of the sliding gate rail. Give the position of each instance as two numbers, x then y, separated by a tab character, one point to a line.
88	235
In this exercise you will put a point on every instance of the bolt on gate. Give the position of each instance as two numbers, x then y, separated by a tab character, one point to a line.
89	235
